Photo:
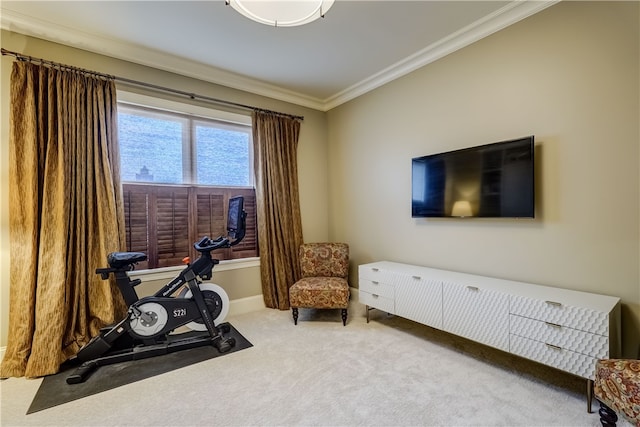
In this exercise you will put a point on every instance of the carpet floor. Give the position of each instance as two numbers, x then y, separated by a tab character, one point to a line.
389	372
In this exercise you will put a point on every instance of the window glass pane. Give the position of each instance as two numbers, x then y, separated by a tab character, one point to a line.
208	156
222	156
150	148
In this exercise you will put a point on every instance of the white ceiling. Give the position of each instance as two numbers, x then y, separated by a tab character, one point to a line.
358	46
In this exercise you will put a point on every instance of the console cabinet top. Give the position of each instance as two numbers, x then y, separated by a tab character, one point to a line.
593	301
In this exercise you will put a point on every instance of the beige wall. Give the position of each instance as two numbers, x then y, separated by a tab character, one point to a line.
238	283
312	152
570	76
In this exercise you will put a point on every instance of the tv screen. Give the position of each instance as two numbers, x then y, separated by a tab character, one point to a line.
490	181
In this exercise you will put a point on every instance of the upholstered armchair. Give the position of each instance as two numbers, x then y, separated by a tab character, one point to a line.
324	285
617	388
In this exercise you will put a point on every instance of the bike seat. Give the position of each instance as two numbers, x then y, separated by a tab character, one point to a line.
122	259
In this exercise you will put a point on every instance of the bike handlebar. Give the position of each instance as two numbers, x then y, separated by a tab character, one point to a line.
208	245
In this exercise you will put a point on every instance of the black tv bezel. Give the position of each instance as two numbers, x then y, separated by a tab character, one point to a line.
530	139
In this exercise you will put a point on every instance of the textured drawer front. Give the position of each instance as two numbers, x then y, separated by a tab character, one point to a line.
381	303
586	343
580	318
376	274
377	288
566	360
478	314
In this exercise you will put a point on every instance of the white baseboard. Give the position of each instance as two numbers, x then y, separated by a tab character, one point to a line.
246	305
256	302
355	294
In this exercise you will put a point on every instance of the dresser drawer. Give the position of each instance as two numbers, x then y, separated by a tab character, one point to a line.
586	343
376	288
560	358
580	318
376	274
377	301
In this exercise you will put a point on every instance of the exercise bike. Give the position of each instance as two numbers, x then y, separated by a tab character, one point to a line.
184	301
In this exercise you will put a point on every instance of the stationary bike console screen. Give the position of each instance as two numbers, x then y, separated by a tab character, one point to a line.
187	300
236	218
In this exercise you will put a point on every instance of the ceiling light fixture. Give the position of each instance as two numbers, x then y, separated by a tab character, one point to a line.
282	13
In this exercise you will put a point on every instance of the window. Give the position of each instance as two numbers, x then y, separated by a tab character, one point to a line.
178	171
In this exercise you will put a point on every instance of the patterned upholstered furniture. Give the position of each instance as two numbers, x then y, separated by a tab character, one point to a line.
617	388
325	268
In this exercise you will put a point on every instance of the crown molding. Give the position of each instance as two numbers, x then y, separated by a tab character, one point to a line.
511	13
514	12
19	23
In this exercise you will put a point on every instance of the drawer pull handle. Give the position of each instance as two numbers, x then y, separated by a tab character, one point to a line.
472	288
557	304
555	347
555	325
417	277
375	295
375	269
375	283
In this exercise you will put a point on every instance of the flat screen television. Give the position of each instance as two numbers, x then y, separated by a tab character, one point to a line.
489	181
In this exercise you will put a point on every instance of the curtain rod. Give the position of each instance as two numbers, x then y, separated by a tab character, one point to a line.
27	58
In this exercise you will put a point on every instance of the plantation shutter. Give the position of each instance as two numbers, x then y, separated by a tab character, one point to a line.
136	208
164	221
171	225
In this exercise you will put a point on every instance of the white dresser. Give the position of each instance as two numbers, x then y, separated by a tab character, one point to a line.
568	330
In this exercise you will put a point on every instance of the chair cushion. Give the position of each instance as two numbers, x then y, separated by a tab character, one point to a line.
617	385
319	292
324	259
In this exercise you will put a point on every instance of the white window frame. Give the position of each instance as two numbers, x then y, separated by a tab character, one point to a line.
195	111
139	100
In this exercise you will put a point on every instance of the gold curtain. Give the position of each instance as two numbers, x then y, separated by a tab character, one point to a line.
65	215
275	140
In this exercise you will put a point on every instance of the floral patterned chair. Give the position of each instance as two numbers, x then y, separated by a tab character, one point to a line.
325	268
617	388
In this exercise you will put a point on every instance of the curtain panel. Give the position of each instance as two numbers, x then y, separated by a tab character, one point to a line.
275	139
65	214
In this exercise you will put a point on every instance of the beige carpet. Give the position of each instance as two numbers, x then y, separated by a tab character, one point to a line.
386	373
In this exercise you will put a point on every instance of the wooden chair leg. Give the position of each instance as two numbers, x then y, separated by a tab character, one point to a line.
294	311
608	417
344	317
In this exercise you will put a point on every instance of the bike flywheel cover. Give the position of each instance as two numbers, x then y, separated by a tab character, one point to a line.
222	304
152	320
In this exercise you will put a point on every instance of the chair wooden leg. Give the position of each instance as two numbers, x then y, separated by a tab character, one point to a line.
294	311
608	417
344	317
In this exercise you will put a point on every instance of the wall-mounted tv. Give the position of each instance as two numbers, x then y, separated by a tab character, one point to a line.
489	181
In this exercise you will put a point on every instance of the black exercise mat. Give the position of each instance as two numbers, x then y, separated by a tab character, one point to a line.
54	389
